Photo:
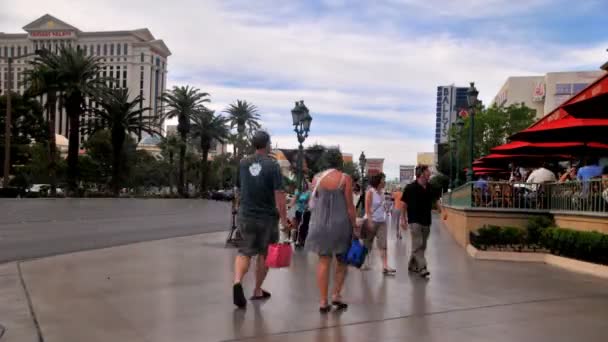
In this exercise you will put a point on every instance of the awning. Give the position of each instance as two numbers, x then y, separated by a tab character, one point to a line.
568	129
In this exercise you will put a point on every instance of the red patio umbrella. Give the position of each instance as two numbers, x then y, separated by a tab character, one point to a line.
567	129
548	148
595	107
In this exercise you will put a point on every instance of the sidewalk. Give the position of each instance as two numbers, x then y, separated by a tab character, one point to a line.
180	290
15	315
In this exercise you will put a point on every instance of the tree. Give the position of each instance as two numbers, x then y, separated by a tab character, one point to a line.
27	126
493	126
78	79
352	169
244	116
208	128
183	103
147	172
170	147
99	158
42	80
123	117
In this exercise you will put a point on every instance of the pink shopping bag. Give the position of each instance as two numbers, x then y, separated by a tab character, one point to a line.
279	255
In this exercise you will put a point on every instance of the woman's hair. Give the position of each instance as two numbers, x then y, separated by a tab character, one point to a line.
376	180
333	159
420	170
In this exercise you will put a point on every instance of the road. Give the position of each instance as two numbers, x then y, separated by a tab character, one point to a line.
33	228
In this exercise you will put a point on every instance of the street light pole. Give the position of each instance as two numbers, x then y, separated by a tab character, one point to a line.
362	162
472	101
452	146
459	124
301	121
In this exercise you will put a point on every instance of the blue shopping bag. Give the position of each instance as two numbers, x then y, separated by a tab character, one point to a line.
356	254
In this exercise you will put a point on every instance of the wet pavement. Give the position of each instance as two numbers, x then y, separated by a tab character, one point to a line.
180	290
33	228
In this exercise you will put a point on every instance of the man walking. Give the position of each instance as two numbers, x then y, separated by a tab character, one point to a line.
418	200
396	213
262	202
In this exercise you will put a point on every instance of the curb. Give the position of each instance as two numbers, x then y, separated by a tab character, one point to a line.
568	264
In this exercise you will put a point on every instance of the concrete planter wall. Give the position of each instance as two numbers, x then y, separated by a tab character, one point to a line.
554	260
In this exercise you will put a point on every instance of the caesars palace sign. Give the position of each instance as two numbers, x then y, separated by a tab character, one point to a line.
52	34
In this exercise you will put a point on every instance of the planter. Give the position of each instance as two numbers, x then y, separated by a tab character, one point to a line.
572	265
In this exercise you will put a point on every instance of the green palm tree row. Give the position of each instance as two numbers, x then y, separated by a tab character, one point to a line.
69	78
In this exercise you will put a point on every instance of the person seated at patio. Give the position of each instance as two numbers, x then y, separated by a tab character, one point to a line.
541	175
569	175
480	188
588	172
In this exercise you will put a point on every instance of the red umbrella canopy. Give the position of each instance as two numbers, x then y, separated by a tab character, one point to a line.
593	108
548	148
567	129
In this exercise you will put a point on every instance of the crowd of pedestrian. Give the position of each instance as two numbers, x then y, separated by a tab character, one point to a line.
329	214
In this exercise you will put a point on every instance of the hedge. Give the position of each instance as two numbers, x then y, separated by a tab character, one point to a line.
588	246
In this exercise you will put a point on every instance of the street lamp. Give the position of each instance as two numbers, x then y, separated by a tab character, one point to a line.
472	101
459	125
452	148
301	121
7	123
362	162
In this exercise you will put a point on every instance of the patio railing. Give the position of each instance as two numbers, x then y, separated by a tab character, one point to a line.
590	196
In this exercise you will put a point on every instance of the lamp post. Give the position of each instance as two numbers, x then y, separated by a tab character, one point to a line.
362	162
301	122
459	125
452	147
472	101
7	123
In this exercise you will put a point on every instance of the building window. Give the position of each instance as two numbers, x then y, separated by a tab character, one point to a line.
111	49
105	49
12	51
25	50
126	49
578	87
98	50
18	50
118	47
124	83
86	50
124	73
142	57
563	89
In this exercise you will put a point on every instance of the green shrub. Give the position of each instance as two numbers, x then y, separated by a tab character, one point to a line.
535	227
490	235
588	246
511	236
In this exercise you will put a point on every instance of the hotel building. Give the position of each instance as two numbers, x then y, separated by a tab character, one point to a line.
135	58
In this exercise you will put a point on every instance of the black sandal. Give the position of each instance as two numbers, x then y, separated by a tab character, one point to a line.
325	309
339	305
265	295
389	271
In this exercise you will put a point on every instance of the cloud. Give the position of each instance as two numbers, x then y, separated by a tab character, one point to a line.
349	60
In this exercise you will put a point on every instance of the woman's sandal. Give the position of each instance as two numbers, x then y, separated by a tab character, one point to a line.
339	305
325	309
389	271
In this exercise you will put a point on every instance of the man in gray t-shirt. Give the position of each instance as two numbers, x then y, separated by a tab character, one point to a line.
262	203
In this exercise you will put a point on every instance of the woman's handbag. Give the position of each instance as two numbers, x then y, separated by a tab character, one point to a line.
279	255
356	254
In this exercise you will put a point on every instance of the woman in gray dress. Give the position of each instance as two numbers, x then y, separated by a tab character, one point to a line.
331	228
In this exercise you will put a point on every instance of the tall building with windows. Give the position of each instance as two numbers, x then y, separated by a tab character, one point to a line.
135	58
544	93
450	100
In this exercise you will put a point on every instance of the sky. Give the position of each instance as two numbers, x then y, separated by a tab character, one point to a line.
367	70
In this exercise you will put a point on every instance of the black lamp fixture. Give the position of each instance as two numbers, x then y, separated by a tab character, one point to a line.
472	94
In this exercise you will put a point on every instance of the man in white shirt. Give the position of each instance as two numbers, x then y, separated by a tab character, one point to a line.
541	175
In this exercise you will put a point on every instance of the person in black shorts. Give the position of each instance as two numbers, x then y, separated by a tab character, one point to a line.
262	204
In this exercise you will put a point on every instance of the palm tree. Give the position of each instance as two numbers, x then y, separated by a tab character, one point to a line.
183	103
243	116
208	128
170	146
123	117
78	79
43	80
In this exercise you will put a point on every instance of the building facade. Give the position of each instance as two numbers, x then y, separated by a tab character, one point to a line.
374	166
406	174
135	59
450	101
544	93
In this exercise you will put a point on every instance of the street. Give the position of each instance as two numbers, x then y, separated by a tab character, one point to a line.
33	228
